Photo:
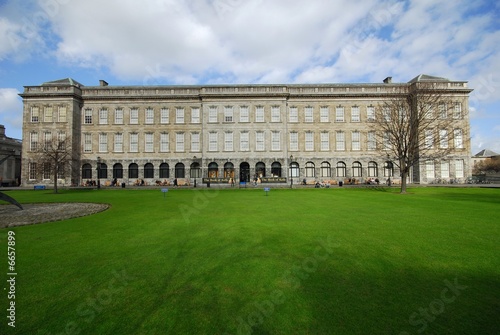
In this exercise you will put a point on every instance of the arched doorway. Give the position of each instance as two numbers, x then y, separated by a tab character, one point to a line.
276	169
245	172
260	169
229	170
213	170
179	170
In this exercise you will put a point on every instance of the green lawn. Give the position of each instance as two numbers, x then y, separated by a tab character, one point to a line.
305	261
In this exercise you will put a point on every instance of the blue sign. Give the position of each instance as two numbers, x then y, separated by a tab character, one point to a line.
266	189
164	190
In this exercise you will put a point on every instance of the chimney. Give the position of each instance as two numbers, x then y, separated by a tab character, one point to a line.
388	80
2	131
103	83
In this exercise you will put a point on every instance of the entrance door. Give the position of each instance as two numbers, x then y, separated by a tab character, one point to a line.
245	172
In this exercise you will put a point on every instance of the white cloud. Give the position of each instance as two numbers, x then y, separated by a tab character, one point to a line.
11	111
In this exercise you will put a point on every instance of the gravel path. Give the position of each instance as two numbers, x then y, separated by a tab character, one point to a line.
12	216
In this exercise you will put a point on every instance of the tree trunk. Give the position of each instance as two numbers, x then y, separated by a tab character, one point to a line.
404	176
55	179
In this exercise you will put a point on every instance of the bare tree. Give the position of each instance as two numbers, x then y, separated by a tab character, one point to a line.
55	156
416	124
491	165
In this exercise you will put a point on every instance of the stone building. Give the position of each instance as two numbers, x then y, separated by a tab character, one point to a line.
10	159
272	132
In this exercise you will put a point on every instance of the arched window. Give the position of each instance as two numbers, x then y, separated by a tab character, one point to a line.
341	170
372	169
164	170
326	170
260	169
244	172
195	171
357	170
103	171
149	170
388	169
179	170
117	171
228	170
310	171
294	170
213	170
86	171
133	171
276	169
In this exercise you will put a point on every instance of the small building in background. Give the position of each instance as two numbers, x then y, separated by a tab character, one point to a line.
10	159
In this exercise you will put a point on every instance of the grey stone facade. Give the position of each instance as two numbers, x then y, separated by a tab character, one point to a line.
218	131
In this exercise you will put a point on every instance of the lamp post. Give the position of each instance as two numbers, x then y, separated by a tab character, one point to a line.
389	170
98	172
291	174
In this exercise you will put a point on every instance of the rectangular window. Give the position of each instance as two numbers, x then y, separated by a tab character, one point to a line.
387	141
179	141
275	141
259	141
443	138
228	113
371	141
228	141
429	169
259	114
244	114
459	168
355	141
134	116
458	138
118	142
308	114
61	140
33	141
325	141
443	114
324	114
150	116
195	114
370	113
294	114
87	119
445	169
103	116
103	142
179	115
46	171
339	114
134	142
309	141
148	142
275	114
32	170
212	141
87	142
457	111
294	141
164	142
355	116
62	117
47	114
429	139
195	142
212	114
386	113
340	139
35	114
244	141
47	138
119	116
164	116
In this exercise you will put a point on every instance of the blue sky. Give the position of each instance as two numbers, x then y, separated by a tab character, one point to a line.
154	42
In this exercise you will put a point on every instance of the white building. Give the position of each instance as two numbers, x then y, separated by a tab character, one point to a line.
156	133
